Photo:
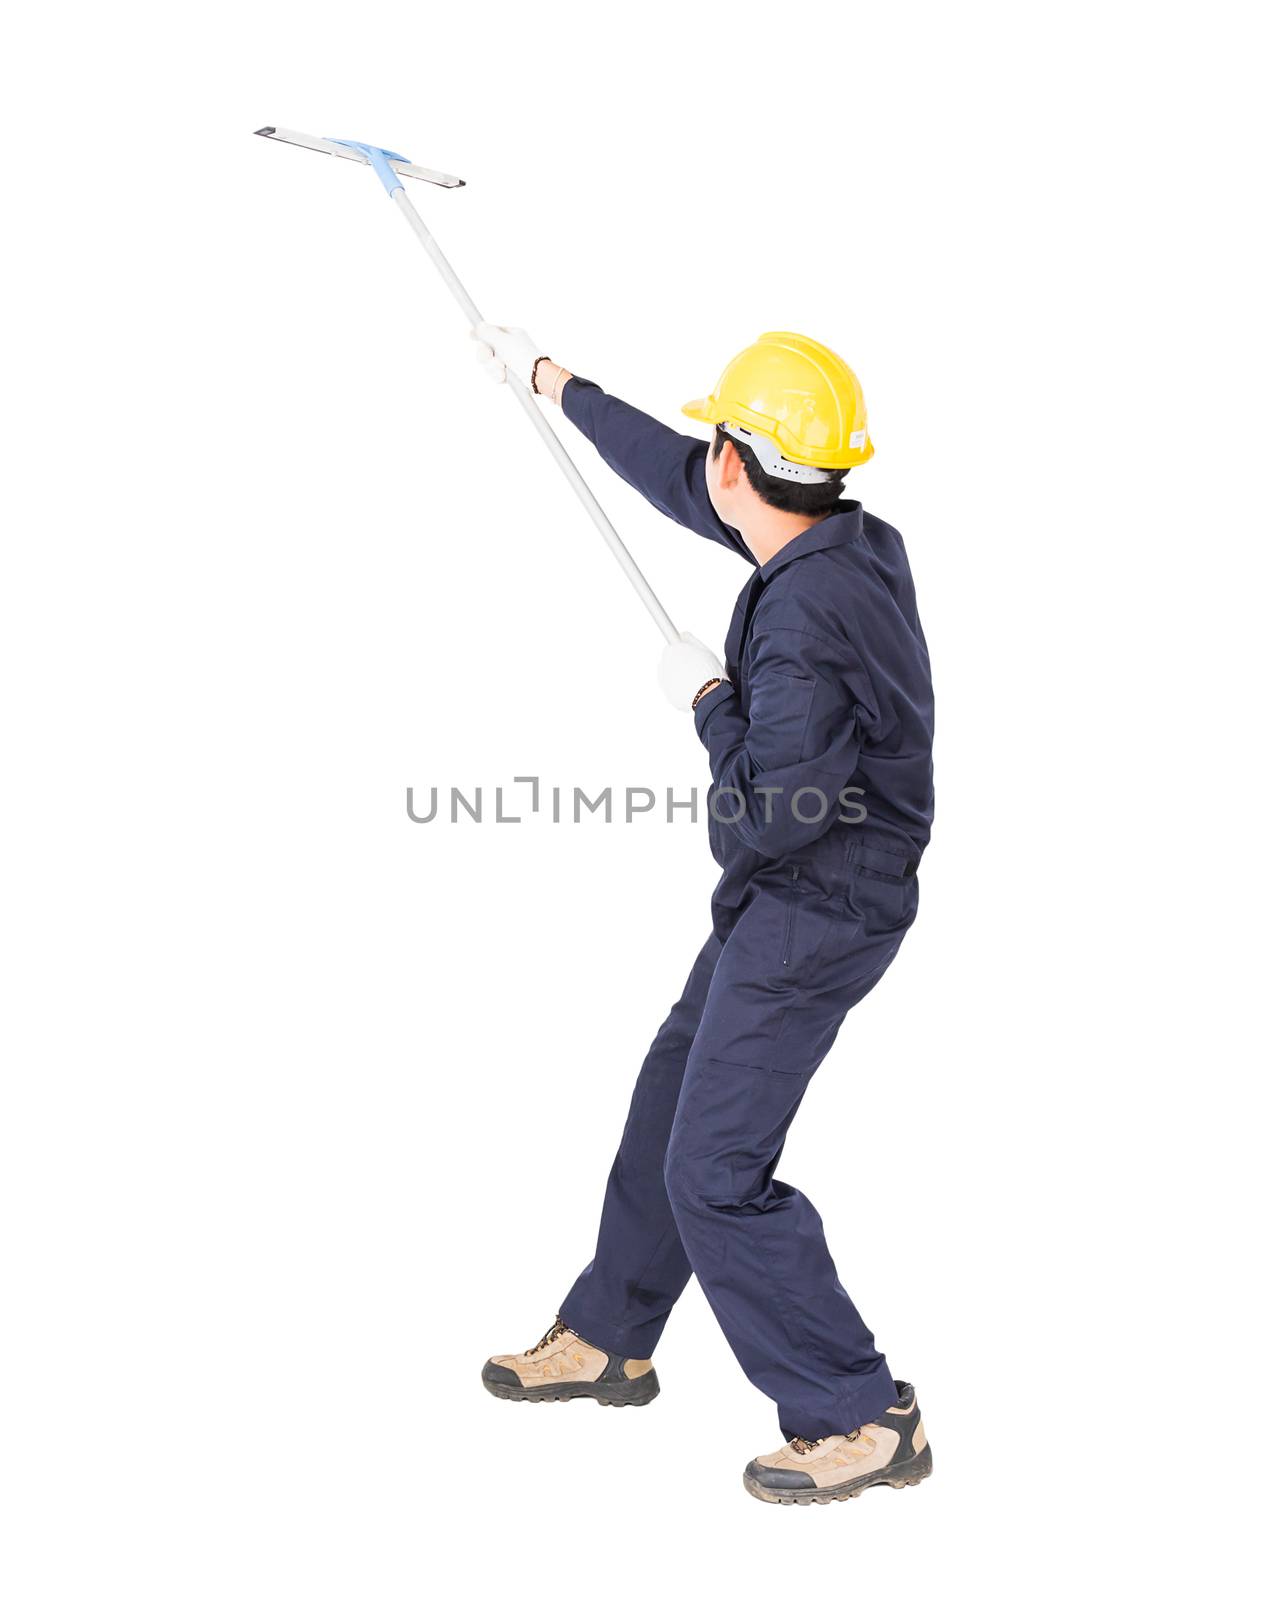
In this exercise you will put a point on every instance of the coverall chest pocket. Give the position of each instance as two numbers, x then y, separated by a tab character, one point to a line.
779	709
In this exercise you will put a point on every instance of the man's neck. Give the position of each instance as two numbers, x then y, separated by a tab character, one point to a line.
765	535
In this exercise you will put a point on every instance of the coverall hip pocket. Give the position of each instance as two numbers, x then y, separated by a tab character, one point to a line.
767	968
885	904
808	923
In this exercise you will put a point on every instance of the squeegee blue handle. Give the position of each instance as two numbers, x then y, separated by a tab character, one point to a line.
380	160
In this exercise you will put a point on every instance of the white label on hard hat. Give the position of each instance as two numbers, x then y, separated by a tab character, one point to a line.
857	440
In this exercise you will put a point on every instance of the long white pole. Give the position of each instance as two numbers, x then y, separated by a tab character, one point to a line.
553	443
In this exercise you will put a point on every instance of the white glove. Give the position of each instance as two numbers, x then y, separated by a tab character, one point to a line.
684	668
499	348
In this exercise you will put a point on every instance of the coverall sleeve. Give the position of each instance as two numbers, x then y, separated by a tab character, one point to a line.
664	466
779	770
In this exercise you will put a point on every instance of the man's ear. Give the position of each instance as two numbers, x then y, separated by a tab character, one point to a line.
731	465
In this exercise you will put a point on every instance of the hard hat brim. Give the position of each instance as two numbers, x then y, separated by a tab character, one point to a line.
707	410
701	410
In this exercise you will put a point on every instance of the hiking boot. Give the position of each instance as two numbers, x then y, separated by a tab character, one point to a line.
893	1450
561	1366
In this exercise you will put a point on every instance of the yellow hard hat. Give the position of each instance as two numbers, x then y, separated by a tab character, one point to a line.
799	394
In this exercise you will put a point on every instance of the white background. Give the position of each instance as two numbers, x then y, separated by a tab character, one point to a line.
307	1108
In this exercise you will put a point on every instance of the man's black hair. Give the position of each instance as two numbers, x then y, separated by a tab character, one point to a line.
805	499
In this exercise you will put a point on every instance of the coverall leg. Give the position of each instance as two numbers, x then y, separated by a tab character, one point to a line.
693	1186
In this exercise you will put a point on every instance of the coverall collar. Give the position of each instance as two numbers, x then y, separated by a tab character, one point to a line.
841	527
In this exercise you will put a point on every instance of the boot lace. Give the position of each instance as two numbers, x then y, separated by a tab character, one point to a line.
802	1447
559	1328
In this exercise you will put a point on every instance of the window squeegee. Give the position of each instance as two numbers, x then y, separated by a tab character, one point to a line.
390	168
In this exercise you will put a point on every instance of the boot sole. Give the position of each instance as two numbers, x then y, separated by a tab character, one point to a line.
628	1392
904	1476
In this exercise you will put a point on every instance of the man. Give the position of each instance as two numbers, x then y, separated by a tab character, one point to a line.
818	729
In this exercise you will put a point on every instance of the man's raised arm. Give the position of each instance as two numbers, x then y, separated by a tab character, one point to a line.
666	467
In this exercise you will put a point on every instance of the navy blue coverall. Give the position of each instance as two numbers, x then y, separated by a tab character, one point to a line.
829	688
